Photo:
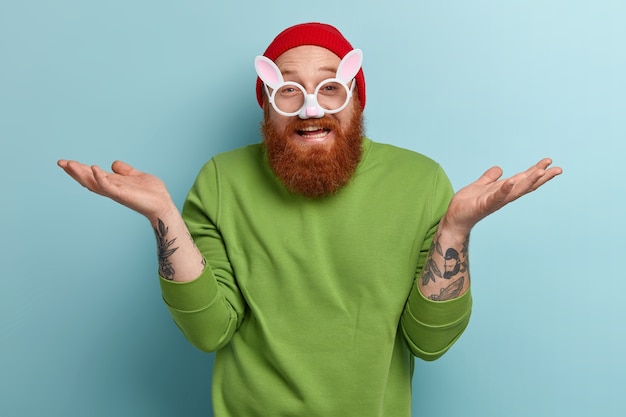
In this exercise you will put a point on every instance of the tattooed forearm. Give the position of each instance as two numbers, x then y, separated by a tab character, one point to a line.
164	250
451	291
431	270
451	264
454	263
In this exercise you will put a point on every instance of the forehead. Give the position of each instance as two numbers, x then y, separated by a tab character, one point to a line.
307	59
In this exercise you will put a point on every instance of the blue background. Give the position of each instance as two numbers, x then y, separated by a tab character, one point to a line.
166	84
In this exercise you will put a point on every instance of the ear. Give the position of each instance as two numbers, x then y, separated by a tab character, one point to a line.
267	71
350	65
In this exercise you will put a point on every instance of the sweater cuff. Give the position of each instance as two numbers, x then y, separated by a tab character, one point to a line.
439	313
431	327
192	295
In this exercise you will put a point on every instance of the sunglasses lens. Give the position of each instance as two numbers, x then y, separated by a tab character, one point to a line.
332	95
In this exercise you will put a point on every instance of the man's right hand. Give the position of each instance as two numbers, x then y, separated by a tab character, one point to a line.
144	193
179	258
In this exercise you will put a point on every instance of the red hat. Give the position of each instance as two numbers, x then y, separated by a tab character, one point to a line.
318	34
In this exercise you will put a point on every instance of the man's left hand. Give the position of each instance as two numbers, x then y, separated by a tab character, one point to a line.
490	193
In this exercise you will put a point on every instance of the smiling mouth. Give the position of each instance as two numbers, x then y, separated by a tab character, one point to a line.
314	133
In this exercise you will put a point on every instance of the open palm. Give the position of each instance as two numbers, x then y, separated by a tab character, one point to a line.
137	190
490	193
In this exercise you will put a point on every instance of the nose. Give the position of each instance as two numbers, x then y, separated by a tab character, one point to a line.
311	108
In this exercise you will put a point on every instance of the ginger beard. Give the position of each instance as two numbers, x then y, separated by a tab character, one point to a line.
314	170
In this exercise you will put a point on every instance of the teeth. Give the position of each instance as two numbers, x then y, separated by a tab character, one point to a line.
311	129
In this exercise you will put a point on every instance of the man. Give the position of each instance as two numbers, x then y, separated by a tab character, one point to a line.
320	261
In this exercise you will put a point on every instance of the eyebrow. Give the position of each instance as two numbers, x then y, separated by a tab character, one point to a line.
330	70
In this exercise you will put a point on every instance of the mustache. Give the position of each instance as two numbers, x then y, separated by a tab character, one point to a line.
323	123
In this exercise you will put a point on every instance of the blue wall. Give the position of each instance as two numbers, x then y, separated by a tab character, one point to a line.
164	85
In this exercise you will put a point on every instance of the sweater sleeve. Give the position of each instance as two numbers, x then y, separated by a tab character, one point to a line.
209	309
431	327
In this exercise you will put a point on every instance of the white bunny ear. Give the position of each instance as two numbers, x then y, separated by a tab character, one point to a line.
267	71
350	65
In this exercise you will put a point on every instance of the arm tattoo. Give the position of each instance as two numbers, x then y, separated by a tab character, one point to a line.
454	263
431	270
451	291
164	250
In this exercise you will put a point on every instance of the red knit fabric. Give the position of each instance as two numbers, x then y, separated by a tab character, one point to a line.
318	34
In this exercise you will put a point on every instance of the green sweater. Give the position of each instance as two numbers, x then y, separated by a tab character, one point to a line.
312	305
